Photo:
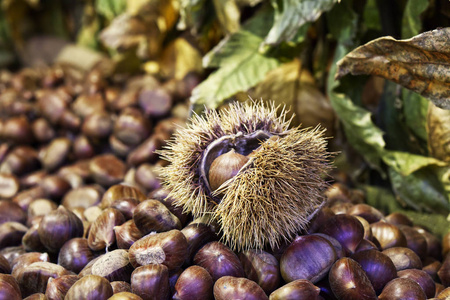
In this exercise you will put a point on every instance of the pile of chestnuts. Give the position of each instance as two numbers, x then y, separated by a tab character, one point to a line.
83	214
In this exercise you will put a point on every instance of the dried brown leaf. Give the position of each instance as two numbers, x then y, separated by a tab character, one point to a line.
421	64
438	128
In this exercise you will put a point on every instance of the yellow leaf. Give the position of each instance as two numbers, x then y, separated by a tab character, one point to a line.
228	15
179	58
438	128
295	87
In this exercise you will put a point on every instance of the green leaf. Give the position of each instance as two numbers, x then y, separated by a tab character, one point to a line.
386	202
110	8
240	64
407	163
192	13
342	21
290	15
415	108
421	190
371	16
411	22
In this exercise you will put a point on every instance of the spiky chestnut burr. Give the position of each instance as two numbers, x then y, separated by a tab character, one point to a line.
274	193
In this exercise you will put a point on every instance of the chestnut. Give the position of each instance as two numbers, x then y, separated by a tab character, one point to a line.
31	240
167	248
57	227
344	228
403	258
83	196
75	254
194	283
401	289
300	289
398	218
261	267
11	212
219	261
152	215
10	185
11	234
124	296
90	287
101	235
307	257
151	282
26	259
228	287
5	267
120	286
197	235
415	241
34	278
120	191
444	271
127	234
379	267
388	235
349	281
114	266
422	278
9	289
107	169
57	288
36	296
126	206
369	213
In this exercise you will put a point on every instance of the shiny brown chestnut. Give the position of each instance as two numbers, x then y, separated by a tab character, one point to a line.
10	185
55	153
431	266
20	160
167	248
36	296
197	235
83	196
379	267
422	278
344	228
366	225
403	258
398	218
59	226
194	283
369	213
9	289
11	253
127	234
444	271
388	235
219	261
75	254
349	281
307	257
90	287
40	207
261	267
131	127
124	296
55	186
340	251
5	267
107	169
415	241
101	235
229	287
120	191
57	288
114	266
151	282
31	240
366	245
146	176
121	286
444	294
34	278
126	206
434	248
401	289
11	234
152	215
300	289
11	212
23	261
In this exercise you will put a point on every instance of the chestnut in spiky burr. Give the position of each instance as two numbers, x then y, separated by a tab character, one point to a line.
268	186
